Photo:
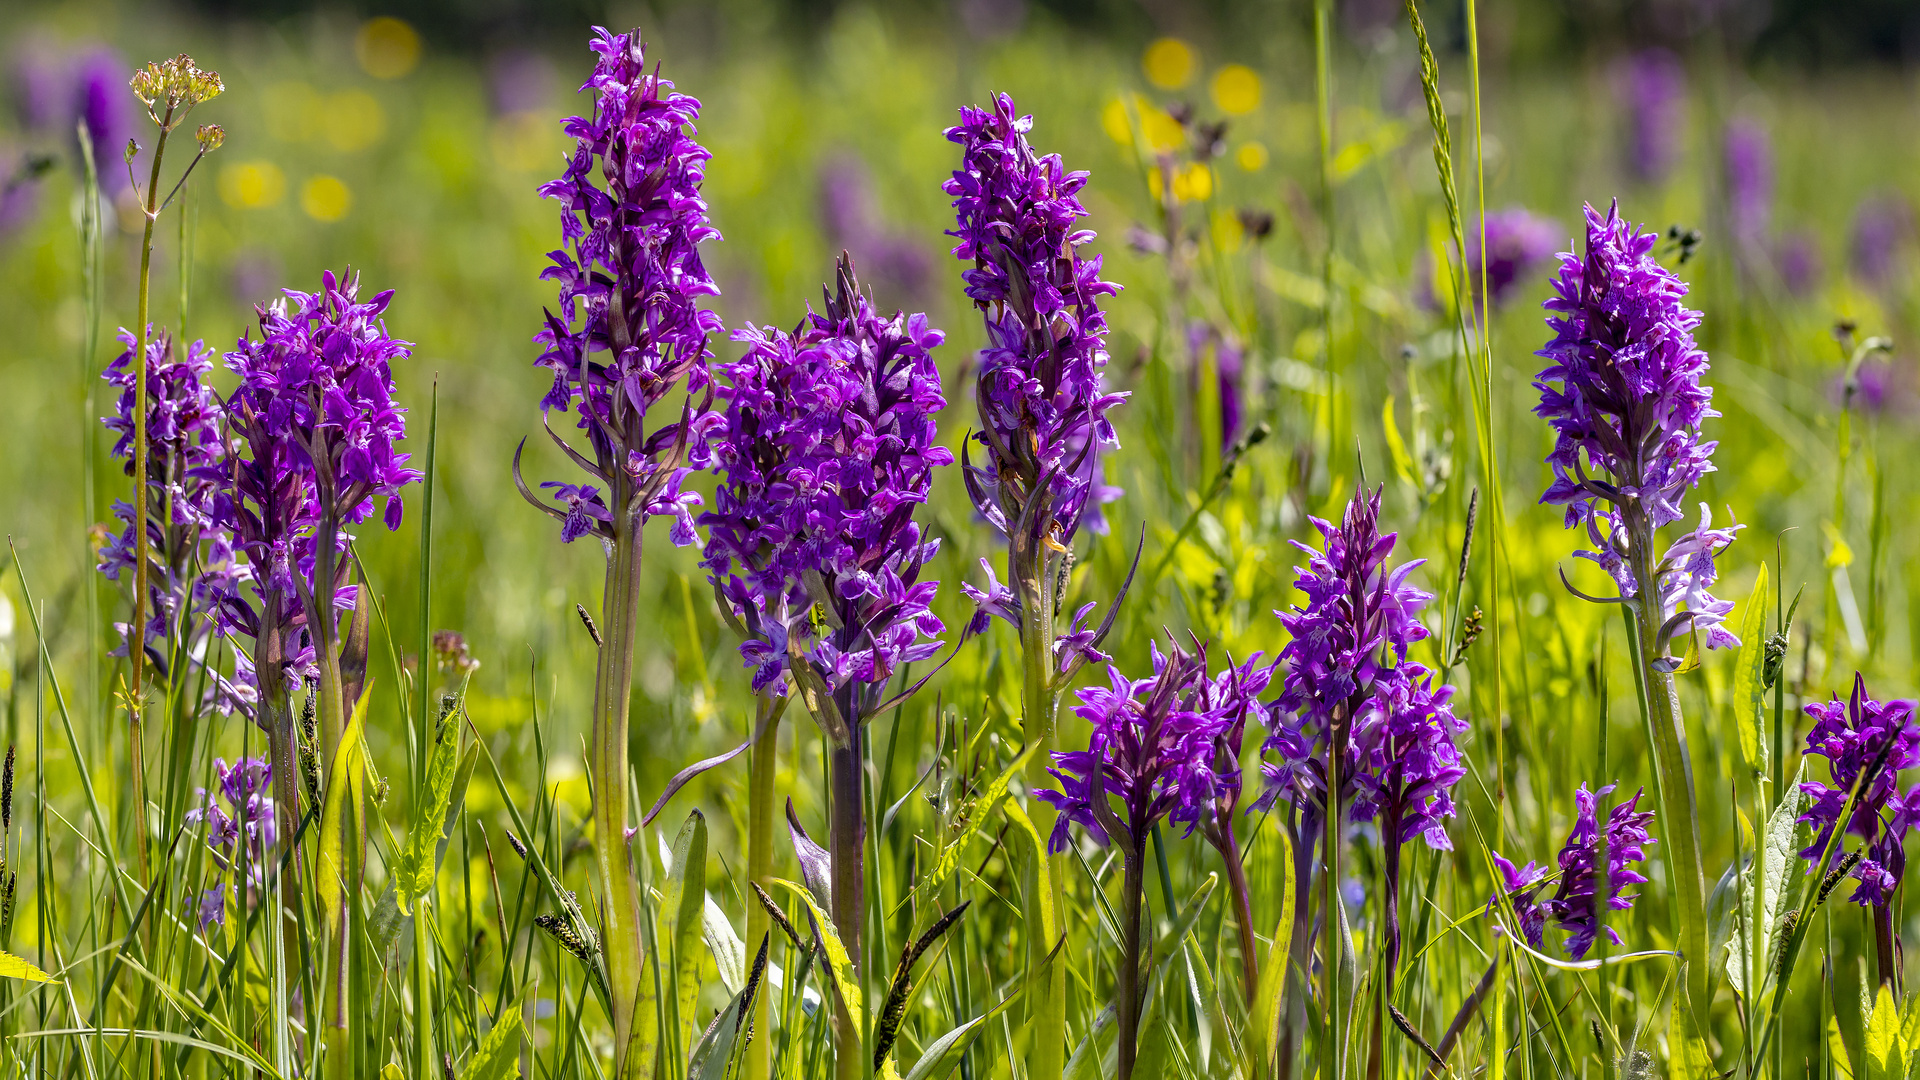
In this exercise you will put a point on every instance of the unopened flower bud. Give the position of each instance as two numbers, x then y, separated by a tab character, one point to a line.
210	136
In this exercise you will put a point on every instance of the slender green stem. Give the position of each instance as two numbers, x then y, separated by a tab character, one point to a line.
1046	1050
760	815
613	686
423	1057
1127	1008
137	625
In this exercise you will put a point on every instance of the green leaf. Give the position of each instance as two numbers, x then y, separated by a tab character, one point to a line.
1263	1037
714	1051
1189	914
1776	859
685	903
499	1055
1748	688
1206	997
15	967
729	952
1088	1056
1886	1055
414	872
839	964
337	818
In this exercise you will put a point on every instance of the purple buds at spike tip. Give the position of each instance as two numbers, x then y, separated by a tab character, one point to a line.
1573	906
1155	748
629	330
826	449
1346	660
1041	391
1628	406
1865	742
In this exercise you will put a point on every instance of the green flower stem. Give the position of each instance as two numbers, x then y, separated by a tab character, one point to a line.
1046	1047
612	691
846	839
137	626
760	815
1679	811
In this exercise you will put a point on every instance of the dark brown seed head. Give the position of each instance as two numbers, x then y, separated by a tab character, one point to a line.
6	791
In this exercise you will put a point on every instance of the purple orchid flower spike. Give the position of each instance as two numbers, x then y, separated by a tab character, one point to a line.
1622	391
628	333
827	447
241	809
192	561
1866	744
1154	755
1518	242
1629	405
1043	402
630	329
1575	904
1355	717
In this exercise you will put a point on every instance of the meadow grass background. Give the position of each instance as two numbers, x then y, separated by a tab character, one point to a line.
425	183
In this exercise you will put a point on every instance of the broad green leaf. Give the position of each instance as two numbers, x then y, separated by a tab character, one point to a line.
1206	997
414	873
499	1053
1721	903
390	1071
1087	1057
1036	878
1748	688
1885	1055
1776	859
729	952
1263	1045
840	965
977	814
712	1054
685	902
15	967
337	818
1189	914
1837	1050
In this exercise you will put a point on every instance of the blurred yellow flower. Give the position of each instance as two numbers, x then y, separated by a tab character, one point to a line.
1251	156
1113	119
386	47
325	198
1168	63
1236	89
252	184
354	120
526	141
1161	131
1192	182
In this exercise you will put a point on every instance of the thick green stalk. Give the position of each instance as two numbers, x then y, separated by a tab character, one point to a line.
423	1058
1047	1023
760	813
846	841
323	627
612	691
1679	810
